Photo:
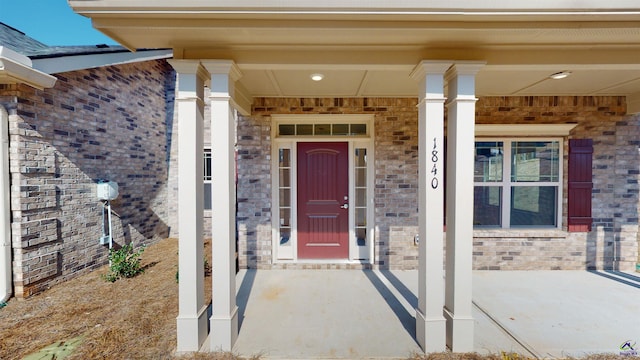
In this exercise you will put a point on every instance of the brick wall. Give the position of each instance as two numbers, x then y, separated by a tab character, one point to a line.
107	123
612	243
395	175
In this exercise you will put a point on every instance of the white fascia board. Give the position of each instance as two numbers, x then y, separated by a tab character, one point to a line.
358	6
80	62
16	69
524	129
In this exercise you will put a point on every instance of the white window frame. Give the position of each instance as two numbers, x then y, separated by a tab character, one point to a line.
357	254
506	184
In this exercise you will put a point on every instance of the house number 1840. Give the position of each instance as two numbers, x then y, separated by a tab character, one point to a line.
434	160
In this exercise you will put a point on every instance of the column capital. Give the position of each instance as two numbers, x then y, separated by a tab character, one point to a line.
429	75
425	67
461	80
464	68
228	67
188	67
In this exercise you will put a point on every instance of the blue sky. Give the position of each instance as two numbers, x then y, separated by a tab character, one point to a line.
51	22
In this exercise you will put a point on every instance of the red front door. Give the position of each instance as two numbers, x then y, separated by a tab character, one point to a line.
323	189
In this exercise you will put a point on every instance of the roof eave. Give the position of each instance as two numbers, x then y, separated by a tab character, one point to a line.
64	63
14	69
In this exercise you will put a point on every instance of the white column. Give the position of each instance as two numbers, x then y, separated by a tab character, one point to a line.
459	244
192	319
224	320
430	322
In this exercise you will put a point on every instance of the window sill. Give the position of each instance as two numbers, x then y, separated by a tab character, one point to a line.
520	233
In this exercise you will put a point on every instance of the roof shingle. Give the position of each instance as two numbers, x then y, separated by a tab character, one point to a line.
19	42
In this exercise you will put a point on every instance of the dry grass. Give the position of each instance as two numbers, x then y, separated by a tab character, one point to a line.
129	319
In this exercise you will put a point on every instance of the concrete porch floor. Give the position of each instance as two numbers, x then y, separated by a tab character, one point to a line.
327	314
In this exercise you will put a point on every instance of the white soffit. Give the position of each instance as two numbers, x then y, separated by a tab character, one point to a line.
335	82
524	129
276	42
586	82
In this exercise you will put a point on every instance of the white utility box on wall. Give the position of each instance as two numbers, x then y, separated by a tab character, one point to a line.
107	190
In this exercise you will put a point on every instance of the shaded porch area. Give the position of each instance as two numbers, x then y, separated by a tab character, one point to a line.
305	314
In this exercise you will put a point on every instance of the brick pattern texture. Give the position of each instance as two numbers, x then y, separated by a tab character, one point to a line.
612	244
119	123
110	123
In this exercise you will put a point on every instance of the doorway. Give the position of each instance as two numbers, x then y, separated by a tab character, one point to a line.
323	189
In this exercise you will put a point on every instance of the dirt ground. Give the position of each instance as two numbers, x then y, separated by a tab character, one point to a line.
129	319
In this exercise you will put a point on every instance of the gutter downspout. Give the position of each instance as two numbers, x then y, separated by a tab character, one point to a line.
6	276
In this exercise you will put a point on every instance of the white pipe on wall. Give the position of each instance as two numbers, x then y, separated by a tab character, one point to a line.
6	276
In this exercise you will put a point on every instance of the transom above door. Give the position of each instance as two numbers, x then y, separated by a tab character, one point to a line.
322	173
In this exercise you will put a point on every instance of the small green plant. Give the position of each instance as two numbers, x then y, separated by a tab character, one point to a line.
125	263
2	304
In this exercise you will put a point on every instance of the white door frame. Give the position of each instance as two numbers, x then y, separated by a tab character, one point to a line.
287	253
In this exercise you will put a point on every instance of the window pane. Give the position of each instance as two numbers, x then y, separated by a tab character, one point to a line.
340	129
361	157
322	129
361	177
487	209
488	161
285	217
287	129
534	205
361	197
361	217
285	197
207	196
304	129
285	178
358	129
285	157
535	161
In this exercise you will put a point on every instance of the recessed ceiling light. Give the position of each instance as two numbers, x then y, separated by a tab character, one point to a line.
560	75
317	77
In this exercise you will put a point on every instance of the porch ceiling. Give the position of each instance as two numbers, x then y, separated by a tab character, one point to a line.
371	52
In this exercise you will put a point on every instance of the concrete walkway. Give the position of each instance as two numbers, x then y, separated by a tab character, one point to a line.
330	314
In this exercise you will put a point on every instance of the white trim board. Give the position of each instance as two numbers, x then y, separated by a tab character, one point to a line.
524	129
61	64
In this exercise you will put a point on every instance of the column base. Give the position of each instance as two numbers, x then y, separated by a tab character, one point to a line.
430	333
459	332
191	331
224	331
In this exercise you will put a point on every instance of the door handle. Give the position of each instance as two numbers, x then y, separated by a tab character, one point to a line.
344	206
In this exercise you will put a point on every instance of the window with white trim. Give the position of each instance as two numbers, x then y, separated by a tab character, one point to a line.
284	193
517	183
207	179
